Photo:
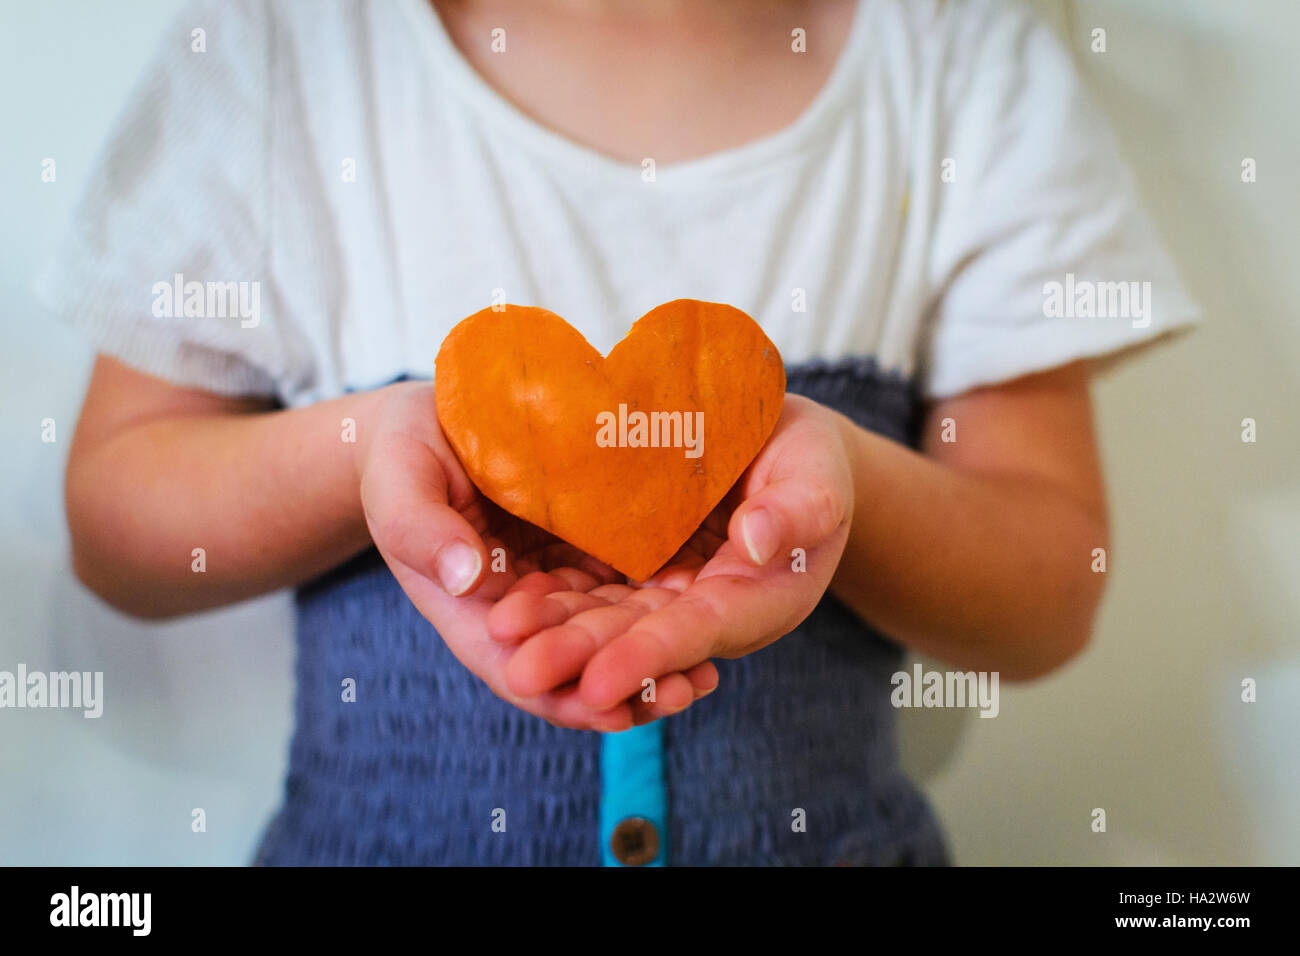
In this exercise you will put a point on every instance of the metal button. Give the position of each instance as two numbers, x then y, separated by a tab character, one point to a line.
635	841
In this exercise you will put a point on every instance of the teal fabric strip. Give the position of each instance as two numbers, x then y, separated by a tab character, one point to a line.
632	784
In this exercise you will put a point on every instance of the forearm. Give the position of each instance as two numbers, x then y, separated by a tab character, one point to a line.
271	499
984	571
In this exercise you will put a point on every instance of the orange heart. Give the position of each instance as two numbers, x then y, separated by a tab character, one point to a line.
533	412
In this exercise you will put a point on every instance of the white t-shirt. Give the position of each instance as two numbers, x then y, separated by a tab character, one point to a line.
949	205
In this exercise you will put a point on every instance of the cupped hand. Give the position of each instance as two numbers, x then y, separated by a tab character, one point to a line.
456	555
755	569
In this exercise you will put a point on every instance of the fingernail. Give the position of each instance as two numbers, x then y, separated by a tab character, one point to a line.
759	531
458	567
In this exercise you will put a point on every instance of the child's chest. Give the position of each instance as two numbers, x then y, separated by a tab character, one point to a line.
676	83
401	209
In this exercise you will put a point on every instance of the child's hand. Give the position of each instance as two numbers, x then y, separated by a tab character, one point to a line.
737	586
438	535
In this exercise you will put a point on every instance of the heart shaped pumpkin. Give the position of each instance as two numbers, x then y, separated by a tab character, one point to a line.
622	456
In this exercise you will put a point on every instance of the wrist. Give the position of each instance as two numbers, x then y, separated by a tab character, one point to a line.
403	407
368	414
851	439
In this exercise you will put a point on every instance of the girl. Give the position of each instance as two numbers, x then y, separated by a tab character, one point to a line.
890	187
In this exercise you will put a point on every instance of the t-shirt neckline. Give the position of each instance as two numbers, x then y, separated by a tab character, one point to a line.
817	118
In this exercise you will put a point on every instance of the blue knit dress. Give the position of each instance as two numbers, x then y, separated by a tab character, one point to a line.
429	767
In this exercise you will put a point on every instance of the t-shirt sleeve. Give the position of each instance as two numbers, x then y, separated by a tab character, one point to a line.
165	263
1042	254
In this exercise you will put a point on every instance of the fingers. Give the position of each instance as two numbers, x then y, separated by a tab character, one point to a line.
561	554
521	614
675	692
676	639
703	678
541	600
677	577
672	693
404	493
568	626
683	566
564	708
725	615
556	656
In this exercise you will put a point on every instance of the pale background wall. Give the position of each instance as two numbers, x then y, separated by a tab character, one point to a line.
1148	724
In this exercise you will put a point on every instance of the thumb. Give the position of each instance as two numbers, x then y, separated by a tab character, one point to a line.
794	512
404	491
